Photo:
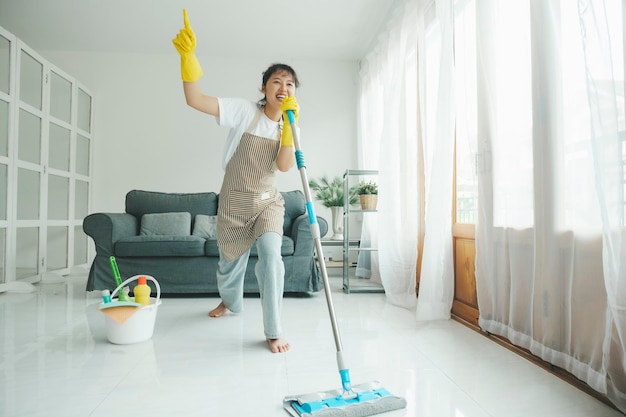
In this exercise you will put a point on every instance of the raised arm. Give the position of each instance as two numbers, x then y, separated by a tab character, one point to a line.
200	101
191	71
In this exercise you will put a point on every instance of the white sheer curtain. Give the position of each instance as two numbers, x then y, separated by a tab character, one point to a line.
550	169
437	274
606	104
388	142
391	138
551	194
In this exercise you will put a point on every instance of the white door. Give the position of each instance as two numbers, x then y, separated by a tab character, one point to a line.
31	120
7	96
49	138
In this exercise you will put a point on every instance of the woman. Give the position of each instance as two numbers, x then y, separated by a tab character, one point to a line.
250	207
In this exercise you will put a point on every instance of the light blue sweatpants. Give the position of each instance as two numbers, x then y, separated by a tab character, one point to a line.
270	274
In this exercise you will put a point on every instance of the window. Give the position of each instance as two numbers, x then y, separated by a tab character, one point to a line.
466	114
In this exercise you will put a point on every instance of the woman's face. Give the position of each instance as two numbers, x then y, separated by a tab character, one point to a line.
279	85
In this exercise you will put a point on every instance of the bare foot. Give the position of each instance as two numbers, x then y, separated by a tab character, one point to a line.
219	311
278	345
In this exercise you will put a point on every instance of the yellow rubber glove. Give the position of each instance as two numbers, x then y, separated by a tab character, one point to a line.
185	43
289	103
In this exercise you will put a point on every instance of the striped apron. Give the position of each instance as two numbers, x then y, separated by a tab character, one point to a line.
249	203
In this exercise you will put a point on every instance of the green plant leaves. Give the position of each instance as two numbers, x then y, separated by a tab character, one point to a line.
369	187
330	192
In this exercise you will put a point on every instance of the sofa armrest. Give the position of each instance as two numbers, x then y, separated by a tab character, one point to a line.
107	228
301	234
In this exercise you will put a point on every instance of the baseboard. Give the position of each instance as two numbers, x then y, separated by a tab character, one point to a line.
555	370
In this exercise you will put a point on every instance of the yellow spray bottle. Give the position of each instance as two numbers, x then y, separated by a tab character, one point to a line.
142	291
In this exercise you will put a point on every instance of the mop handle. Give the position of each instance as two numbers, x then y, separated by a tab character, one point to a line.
315	231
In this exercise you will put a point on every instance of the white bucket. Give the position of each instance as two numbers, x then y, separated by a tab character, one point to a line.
139	326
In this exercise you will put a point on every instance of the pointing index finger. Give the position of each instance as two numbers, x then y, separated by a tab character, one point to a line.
186	19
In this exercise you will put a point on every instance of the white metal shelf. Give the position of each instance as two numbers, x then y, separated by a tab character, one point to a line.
358	284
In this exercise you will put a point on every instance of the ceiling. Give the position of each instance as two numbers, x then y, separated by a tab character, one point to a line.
304	29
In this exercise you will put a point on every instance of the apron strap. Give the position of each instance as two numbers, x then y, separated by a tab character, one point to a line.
254	121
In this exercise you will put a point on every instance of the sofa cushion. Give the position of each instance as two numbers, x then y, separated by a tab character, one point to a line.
210	248
160	245
175	224
140	202
205	226
287	248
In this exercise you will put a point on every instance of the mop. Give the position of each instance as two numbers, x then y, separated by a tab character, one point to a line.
358	400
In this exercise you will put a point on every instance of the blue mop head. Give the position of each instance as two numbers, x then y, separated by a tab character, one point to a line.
364	400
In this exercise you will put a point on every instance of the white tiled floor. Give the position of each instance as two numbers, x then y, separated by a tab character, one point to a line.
56	361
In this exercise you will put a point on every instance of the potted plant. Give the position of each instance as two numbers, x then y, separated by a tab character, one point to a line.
330	193
368	194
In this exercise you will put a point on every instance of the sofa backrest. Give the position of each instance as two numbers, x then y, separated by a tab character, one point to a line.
140	202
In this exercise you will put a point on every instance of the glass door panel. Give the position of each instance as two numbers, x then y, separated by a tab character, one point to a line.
81	200
27	254
4	185
465	59
84	111
82	155
28	192
4	128
80	246
3	251
29	137
58	197
31	80
5	64
60	97
56	256
59	153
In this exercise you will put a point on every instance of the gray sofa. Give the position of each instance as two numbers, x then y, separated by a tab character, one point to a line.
164	235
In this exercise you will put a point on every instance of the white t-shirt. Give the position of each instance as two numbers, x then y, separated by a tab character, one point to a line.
237	114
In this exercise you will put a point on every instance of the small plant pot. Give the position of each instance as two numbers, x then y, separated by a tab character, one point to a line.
368	201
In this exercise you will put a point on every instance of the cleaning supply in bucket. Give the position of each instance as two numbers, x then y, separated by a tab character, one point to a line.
106	296
116	271
123	295
142	291
128	321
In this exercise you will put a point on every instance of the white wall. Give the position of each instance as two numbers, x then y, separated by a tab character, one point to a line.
146	137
